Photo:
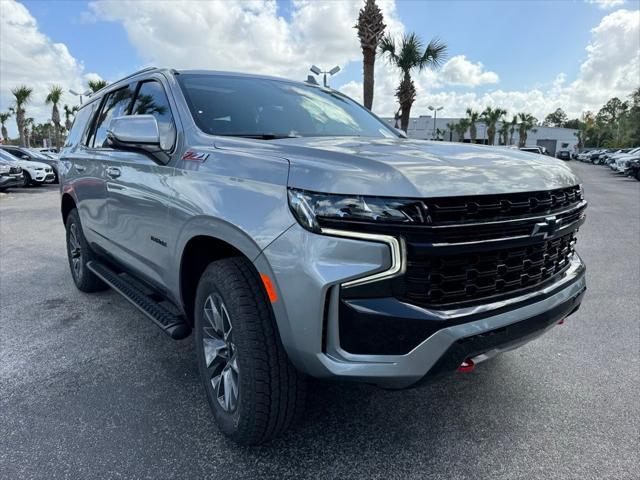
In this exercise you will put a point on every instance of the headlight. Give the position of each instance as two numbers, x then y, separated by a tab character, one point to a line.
4	169
312	209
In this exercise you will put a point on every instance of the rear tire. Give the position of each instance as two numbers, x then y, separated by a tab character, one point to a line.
237	343
79	254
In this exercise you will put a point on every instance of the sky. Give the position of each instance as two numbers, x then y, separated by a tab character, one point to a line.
524	56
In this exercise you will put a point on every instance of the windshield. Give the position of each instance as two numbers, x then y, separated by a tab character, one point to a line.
267	109
7	157
38	155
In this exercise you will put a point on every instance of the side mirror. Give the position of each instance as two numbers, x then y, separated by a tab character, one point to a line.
137	133
24	156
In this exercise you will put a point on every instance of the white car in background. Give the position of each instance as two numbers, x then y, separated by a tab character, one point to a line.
34	173
620	160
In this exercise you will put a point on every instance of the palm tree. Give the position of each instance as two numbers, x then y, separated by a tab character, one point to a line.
55	94
452	128
68	113
406	56
4	116
491	116
370	31
473	117
461	128
22	95
503	132
527	122
512	128
29	126
96	85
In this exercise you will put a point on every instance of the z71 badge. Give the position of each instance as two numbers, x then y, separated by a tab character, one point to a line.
195	156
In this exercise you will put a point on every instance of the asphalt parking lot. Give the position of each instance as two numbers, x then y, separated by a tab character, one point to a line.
91	389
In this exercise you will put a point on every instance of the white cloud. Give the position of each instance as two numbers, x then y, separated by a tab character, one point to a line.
460	71
611	68
242	36
251	36
29	57
604	4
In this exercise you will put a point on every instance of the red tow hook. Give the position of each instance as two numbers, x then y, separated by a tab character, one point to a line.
467	366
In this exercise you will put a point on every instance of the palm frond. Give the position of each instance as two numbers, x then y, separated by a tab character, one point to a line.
434	54
55	94
388	48
22	94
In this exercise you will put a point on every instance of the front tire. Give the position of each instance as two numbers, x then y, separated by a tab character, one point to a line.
79	254
26	179
253	390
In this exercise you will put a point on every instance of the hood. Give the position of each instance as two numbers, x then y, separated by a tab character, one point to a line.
415	168
28	164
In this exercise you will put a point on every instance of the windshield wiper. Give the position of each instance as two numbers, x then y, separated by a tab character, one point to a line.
260	136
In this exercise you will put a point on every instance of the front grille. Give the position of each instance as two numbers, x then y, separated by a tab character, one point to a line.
435	280
472	250
499	207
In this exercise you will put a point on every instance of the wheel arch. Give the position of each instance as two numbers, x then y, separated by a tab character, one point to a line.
198	252
67	204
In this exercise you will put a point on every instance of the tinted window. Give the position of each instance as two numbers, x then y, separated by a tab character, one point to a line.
116	104
6	157
79	126
261	107
152	100
16	152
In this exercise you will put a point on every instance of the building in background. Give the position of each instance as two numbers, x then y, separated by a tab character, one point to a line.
552	138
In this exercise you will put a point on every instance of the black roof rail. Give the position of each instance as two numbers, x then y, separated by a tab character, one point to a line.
146	69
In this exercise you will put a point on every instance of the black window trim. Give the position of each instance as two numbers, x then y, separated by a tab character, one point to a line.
98	111
166	95
136	90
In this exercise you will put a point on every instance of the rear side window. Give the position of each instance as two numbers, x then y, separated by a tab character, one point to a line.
152	100
116	104
79	126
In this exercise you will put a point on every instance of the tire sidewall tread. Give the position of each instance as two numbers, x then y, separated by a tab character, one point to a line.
271	391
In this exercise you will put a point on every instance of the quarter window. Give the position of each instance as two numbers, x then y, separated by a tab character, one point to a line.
152	100
79	124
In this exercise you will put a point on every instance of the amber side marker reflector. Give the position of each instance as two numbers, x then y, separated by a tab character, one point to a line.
268	286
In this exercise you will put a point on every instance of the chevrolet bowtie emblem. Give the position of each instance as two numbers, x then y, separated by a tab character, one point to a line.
547	228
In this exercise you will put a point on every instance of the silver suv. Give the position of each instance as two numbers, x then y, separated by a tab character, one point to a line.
297	235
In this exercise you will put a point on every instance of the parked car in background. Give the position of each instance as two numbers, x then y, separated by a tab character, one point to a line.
33	173
621	163
10	173
48	150
564	155
30	155
48	154
297	234
536	149
613	157
633	169
604	159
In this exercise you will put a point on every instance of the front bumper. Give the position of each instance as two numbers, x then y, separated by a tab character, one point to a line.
7	181
308	270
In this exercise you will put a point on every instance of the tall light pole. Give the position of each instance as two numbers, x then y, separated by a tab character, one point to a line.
86	93
435	111
331	72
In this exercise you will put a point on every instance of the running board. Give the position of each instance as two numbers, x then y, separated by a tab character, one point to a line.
173	325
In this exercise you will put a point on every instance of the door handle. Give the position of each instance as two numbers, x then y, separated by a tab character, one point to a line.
113	172
79	168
